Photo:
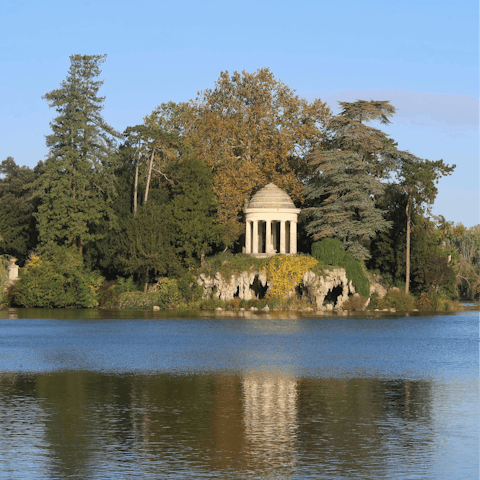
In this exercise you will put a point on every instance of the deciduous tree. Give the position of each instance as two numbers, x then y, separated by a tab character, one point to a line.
250	129
418	178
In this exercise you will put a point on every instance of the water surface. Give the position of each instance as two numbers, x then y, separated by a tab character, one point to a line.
83	396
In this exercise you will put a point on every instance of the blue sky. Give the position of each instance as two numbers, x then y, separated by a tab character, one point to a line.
421	55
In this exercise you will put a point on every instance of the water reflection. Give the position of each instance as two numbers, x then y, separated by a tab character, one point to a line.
270	419
91	425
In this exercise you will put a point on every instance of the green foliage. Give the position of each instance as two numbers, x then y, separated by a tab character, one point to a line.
228	264
329	251
192	212
18	234
109	294
4	300
76	185
341	197
395	298
57	279
166	297
146	246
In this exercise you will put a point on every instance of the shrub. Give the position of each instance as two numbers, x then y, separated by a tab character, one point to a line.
284	272
165	297
355	302
109	295
58	278
329	251
436	301
398	299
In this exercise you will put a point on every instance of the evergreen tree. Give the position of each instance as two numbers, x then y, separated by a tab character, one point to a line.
192	212
348	168
77	183
341	196
18	233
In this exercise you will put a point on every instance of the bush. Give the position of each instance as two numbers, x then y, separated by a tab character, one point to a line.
355	302
58	279
165	297
109	295
397	299
284	272
329	251
436	301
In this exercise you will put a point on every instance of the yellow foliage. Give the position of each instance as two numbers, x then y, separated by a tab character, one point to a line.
285	272
33	262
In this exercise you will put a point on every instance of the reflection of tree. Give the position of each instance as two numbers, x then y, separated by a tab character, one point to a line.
271	424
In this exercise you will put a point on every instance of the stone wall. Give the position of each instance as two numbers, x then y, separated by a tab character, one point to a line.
325	291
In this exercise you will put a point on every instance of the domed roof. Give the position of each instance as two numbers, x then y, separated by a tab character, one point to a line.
270	196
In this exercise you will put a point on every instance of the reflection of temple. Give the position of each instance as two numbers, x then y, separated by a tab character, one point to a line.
270	418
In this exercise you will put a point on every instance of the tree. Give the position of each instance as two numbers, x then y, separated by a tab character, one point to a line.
192	212
18	234
76	185
349	132
150	148
147	249
250	129
348	167
418	178
341	196
464	243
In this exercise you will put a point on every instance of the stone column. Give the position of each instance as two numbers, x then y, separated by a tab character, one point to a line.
274	234
248	238
282	236
293	237
268	237
255	237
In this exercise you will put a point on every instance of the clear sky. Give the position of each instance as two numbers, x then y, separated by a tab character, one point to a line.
422	55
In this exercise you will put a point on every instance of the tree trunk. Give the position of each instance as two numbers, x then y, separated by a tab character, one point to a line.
407	262
135	191
150	166
202	259
145	288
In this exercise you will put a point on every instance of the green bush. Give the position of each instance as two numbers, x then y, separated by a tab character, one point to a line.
396	299
109	295
329	251
58	278
165	297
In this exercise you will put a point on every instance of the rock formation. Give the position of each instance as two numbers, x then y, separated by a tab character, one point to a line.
325	292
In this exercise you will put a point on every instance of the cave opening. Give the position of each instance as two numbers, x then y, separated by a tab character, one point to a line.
258	288
237	293
332	295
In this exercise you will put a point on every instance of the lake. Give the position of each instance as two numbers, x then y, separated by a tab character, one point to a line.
112	395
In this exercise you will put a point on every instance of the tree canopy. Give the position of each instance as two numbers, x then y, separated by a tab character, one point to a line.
76	185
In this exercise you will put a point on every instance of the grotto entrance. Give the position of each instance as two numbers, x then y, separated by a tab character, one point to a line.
258	288
332	296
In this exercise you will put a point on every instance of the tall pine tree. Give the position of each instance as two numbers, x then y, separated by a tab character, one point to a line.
76	185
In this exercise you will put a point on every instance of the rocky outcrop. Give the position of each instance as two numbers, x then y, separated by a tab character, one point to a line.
377	288
241	285
329	291
326	291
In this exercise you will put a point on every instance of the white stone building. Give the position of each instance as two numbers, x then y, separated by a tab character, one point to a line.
271	223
